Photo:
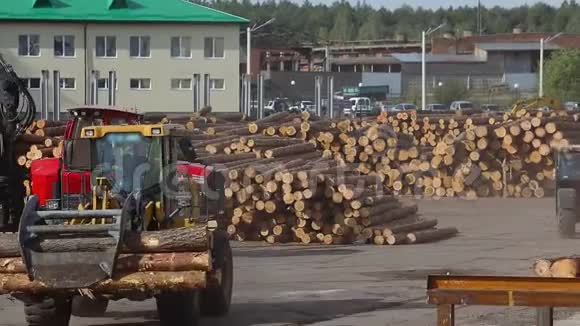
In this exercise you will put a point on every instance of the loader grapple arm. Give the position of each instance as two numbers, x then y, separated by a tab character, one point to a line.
80	255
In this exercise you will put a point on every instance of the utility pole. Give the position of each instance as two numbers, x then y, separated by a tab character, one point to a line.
424	35
542	46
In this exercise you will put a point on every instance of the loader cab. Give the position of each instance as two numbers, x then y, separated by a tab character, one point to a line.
568	190
146	162
60	183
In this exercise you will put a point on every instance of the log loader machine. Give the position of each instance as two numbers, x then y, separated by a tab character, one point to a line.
148	228
567	189
17	111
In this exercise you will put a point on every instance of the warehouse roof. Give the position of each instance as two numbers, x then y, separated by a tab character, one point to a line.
504	46
103	11
437	58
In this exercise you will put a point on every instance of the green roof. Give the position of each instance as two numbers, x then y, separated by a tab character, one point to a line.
162	11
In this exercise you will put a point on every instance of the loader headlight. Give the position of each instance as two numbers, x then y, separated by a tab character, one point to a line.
156	131
52	204
89	133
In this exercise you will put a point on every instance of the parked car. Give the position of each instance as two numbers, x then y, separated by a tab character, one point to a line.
571	106
437	107
274	106
491	107
403	107
307	106
359	106
461	105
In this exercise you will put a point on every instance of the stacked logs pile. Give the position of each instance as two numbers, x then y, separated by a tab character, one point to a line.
431	155
448	155
149	261
43	139
282	187
568	267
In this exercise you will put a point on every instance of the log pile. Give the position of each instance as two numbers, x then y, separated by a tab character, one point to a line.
149	261
567	267
43	139
284	186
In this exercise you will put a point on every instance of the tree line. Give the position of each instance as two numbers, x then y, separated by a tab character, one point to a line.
342	21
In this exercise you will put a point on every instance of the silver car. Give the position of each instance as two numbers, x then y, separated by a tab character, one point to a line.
403	107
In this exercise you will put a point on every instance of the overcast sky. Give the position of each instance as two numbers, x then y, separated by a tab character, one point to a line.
446	3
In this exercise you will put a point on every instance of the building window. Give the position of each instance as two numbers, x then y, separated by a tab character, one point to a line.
31	83
180	83
140	83
103	83
64	46
106	46
29	45
181	47
68	83
213	47
140	46
217	84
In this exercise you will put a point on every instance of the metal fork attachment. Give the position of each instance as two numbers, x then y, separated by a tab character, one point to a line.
66	255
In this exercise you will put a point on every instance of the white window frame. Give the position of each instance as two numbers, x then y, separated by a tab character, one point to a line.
26	82
106	84
28	46
180	56
140	40
212	84
106	39
213	38
63	38
140	88
180	88
62	84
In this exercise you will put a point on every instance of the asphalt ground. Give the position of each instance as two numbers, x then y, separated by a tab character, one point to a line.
375	285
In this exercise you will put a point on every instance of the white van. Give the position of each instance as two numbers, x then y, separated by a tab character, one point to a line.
461	105
358	106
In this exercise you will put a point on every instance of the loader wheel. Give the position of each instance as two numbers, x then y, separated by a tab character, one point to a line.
178	308
566	222
83	306
47	311
217	297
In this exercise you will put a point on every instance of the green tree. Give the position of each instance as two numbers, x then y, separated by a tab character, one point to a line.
343	29
562	75
372	29
450	91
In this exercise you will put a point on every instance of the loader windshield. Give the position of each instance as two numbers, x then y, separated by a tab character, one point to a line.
129	161
569	166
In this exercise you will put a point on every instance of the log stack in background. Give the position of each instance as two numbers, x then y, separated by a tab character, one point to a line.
285	184
296	178
43	139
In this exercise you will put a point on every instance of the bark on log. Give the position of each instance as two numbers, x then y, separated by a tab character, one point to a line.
225	158
170	240
405	228
139	282
290	150
131	263
431	235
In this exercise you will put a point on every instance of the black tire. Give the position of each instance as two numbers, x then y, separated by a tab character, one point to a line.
217	297
43	311
83	306
566	222
178	308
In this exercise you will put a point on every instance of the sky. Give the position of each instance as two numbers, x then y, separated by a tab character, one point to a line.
392	4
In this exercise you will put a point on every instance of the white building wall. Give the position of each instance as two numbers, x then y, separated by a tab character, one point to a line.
160	67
